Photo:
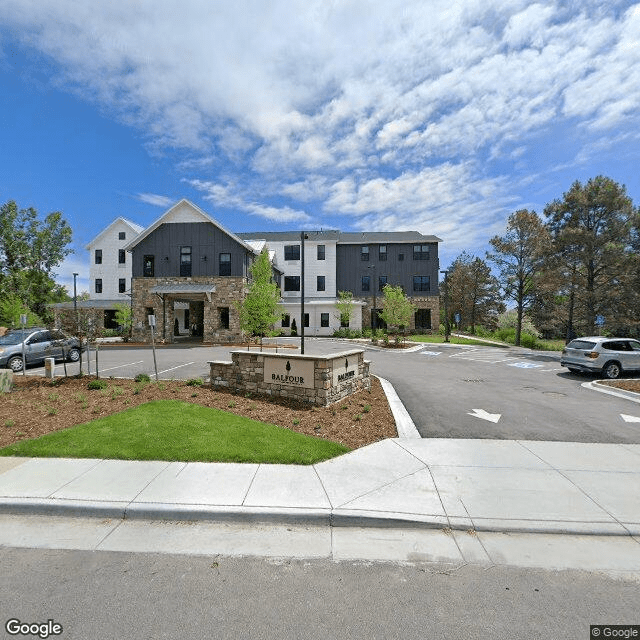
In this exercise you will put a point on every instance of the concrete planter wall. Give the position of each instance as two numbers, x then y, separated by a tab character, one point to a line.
319	380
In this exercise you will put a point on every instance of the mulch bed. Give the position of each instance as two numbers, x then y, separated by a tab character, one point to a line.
37	406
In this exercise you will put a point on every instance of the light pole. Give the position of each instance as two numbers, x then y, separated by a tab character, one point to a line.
446	306
75	297
303	235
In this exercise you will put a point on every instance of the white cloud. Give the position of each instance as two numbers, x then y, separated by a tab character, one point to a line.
388	112
224	196
155	199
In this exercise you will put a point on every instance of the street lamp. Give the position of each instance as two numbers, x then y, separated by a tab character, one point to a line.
75	296
446	306
303	236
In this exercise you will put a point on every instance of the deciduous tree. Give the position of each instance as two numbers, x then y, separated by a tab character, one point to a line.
30	250
397	309
259	310
520	255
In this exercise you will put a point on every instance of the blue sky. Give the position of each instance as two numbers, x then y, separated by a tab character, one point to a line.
443	117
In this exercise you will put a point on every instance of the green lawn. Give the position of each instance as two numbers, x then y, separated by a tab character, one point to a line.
175	430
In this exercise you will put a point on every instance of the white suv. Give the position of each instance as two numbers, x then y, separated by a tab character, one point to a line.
608	356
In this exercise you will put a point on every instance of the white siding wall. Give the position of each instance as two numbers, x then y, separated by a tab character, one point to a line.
312	268
110	271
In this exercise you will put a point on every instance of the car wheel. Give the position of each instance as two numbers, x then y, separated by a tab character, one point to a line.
15	364
74	355
573	370
611	370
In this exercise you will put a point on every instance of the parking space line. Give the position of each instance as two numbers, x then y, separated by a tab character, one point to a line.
122	365
172	368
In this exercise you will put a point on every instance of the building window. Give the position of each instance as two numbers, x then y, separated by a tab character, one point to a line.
286	320
98	256
224	264
400	257
382	281
224	317
321	252
364	252
420	251
366	280
320	283
122	285
185	262
324	319
306	319
292	252
292	283
122	256
98	285
382	252
421	283
148	268
122	235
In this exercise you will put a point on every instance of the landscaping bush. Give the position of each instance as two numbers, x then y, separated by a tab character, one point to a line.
194	382
97	384
142	377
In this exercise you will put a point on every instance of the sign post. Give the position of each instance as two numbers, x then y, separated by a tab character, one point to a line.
23	322
152	324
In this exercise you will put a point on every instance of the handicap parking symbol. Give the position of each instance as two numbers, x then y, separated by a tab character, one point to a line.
524	365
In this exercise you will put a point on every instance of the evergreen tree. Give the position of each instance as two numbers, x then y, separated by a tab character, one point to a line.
592	228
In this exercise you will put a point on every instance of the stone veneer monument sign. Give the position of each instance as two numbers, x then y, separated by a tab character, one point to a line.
319	380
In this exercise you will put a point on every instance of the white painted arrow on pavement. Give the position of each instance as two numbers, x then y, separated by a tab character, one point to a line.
629	418
484	415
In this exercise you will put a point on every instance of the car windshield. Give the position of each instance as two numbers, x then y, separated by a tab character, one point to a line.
15	337
581	344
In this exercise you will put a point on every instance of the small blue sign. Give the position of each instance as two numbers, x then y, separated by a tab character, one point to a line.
457	318
600	321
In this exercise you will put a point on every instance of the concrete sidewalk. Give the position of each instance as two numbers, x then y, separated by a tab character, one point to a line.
469	485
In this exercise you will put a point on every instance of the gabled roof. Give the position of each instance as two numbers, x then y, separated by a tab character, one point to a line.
193	214
136	228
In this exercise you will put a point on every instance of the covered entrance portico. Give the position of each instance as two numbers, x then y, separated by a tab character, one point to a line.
185	310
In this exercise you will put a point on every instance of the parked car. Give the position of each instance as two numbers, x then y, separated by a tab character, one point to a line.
39	343
607	356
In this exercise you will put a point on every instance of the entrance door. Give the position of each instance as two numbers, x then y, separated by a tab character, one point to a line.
423	320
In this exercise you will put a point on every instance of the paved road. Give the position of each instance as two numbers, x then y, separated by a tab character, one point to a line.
106	595
534	397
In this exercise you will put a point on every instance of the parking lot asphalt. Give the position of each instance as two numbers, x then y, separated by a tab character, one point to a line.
450	391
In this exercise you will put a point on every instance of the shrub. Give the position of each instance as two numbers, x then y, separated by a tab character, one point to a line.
97	384
194	382
142	377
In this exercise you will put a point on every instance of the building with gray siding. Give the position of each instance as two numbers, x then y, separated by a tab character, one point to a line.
190	272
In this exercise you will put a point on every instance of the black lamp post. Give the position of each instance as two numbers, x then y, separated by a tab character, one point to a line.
303	235
75	296
446	306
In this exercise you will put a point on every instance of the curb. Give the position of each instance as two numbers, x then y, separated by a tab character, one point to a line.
302	517
612	391
404	424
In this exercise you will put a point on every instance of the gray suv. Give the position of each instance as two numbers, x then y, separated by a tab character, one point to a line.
39	343
607	356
